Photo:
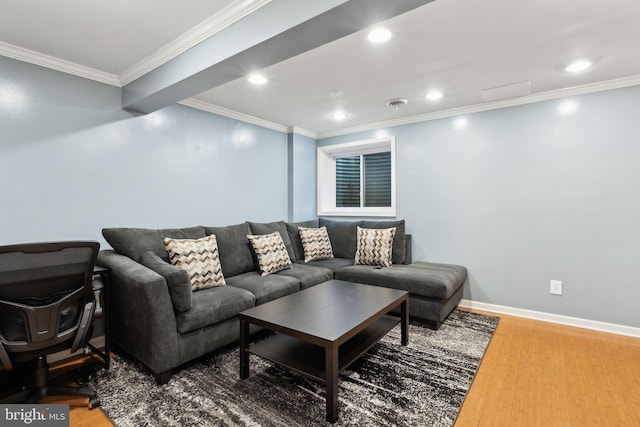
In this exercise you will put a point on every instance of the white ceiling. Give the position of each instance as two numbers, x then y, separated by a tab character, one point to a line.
459	47
107	35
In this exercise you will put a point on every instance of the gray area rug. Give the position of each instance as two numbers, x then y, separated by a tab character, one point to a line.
423	384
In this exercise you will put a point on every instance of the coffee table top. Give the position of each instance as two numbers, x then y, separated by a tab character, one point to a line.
329	311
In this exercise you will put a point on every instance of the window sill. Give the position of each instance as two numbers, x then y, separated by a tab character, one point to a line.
362	212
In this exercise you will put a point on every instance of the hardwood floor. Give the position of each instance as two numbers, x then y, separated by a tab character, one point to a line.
79	414
533	374
543	374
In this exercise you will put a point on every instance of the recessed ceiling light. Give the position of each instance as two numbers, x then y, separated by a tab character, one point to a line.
379	35
339	115
578	66
257	79
434	95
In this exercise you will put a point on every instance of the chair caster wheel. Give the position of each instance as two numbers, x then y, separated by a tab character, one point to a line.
94	402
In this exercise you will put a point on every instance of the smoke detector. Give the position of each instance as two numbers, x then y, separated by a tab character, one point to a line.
396	103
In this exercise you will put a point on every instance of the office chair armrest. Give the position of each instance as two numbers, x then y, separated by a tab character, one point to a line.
5	362
86	321
98	287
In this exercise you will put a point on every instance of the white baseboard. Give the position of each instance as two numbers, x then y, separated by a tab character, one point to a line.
594	325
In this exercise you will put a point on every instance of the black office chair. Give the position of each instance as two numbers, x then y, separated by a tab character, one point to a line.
46	305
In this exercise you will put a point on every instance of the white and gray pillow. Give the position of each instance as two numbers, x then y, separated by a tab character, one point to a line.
271	252
375	246
316	243
199	258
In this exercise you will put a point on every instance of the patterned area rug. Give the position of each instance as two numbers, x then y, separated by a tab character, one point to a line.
423	384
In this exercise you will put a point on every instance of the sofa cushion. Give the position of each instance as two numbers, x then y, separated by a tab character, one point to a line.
431	280
214	305
308	275
134	242
316	243
343	236
374	246
177	280
398	239
271	253
265	288
268	228
293	231
199	258
333	264
234	247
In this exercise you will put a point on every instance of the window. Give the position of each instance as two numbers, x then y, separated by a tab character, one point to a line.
357	178
369	172
348	182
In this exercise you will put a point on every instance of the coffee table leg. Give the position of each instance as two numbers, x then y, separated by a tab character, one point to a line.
244	354
331	372
404	313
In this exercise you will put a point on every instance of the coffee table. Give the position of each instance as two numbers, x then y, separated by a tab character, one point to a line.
321	330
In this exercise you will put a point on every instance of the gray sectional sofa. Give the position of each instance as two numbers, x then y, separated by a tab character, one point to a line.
156	317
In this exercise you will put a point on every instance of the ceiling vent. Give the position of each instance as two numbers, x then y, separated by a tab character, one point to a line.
396	103
514	90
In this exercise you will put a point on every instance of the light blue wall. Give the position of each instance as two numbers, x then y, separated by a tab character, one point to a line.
302	178
72	162
520	196
524	195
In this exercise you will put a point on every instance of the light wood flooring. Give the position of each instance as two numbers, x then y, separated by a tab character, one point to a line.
543	374
533	374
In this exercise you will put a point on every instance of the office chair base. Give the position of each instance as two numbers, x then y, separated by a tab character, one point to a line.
42	388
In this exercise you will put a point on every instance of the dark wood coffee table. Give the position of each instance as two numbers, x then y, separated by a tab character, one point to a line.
323	329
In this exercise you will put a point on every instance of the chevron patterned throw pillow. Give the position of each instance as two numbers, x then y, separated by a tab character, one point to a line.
199	258
375	246
316	243
271	252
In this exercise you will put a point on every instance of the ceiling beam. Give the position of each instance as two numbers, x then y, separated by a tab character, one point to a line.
277	31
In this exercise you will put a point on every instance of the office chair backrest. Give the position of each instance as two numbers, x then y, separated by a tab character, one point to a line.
46	297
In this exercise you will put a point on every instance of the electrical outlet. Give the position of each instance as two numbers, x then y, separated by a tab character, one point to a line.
555	287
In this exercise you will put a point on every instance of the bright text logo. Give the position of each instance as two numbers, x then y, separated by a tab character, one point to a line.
34	415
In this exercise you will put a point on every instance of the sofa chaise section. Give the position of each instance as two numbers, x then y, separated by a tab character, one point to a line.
434	289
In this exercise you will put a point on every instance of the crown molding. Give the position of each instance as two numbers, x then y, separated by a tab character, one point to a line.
207	28
495	105
33	57
216	23
225	112
221	111
577	322
303	132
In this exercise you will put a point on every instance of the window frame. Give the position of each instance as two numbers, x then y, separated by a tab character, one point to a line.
326	176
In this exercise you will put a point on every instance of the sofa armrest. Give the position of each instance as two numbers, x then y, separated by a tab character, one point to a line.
142	321
177	280
407	249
